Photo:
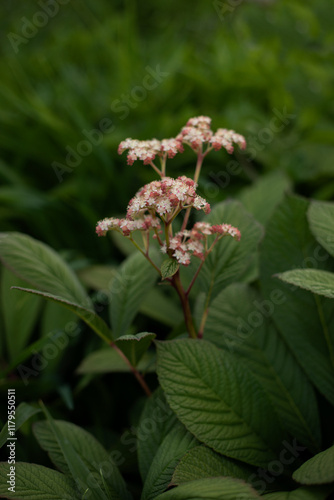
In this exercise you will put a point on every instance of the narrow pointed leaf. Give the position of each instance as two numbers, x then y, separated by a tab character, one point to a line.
218	400
35	482
22	413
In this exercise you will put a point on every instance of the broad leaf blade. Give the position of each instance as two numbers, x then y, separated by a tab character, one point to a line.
313	280
134	346
201	462
317	470
218	400
238	322
230	258
93	320
159	414
35	482
222	488
128	289
20	313
92	454
305	320
311	493
321	218
41	266
176	443
107	360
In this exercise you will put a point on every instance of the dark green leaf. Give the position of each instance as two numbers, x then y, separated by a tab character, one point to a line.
22	413
317	470
134	346
321	218
107	360
314	280
169	267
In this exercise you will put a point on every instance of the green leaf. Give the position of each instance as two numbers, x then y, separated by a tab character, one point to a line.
91	453
156	421
314	280
89	317
35	482
159	306
317	470
230	258
128	289
312	493
169	267
239	323
107	360
55	317
176	443
22	413
20	313
261	198
201	462
134	346
41	266
321	218
305	320
220	488
75	463
218	400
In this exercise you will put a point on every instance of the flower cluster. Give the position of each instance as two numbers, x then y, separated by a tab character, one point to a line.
186	243
197	132
166	198
127	226
148	150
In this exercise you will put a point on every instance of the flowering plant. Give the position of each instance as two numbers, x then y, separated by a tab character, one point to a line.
155	206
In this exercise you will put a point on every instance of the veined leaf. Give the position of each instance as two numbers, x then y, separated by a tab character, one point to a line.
305	320
314	280
201	462
41	266
92	454
317	470
169	267
321	218
33	482
156	421
175	444
311	493
128	289
134	346
239	322
229	258
20	313
220	488
93	320
218	400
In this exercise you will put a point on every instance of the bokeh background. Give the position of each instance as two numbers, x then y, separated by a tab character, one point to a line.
79	76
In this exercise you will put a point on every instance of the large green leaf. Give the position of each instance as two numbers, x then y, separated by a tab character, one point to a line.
128	289
261	198
317	470
159	306
90	317
238	322
305	320
176	443
92	454
314	280
35	482
156	421
20	313
22	413
201	462
321	218
107	360
229	258
134	346
311	493
219	400
220	488
41	266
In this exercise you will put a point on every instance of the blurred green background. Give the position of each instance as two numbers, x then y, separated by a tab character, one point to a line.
144	68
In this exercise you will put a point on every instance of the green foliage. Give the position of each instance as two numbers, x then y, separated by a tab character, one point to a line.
317	470
319	282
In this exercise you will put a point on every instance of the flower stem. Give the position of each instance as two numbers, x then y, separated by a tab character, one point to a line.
134	370
145	255
176	283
